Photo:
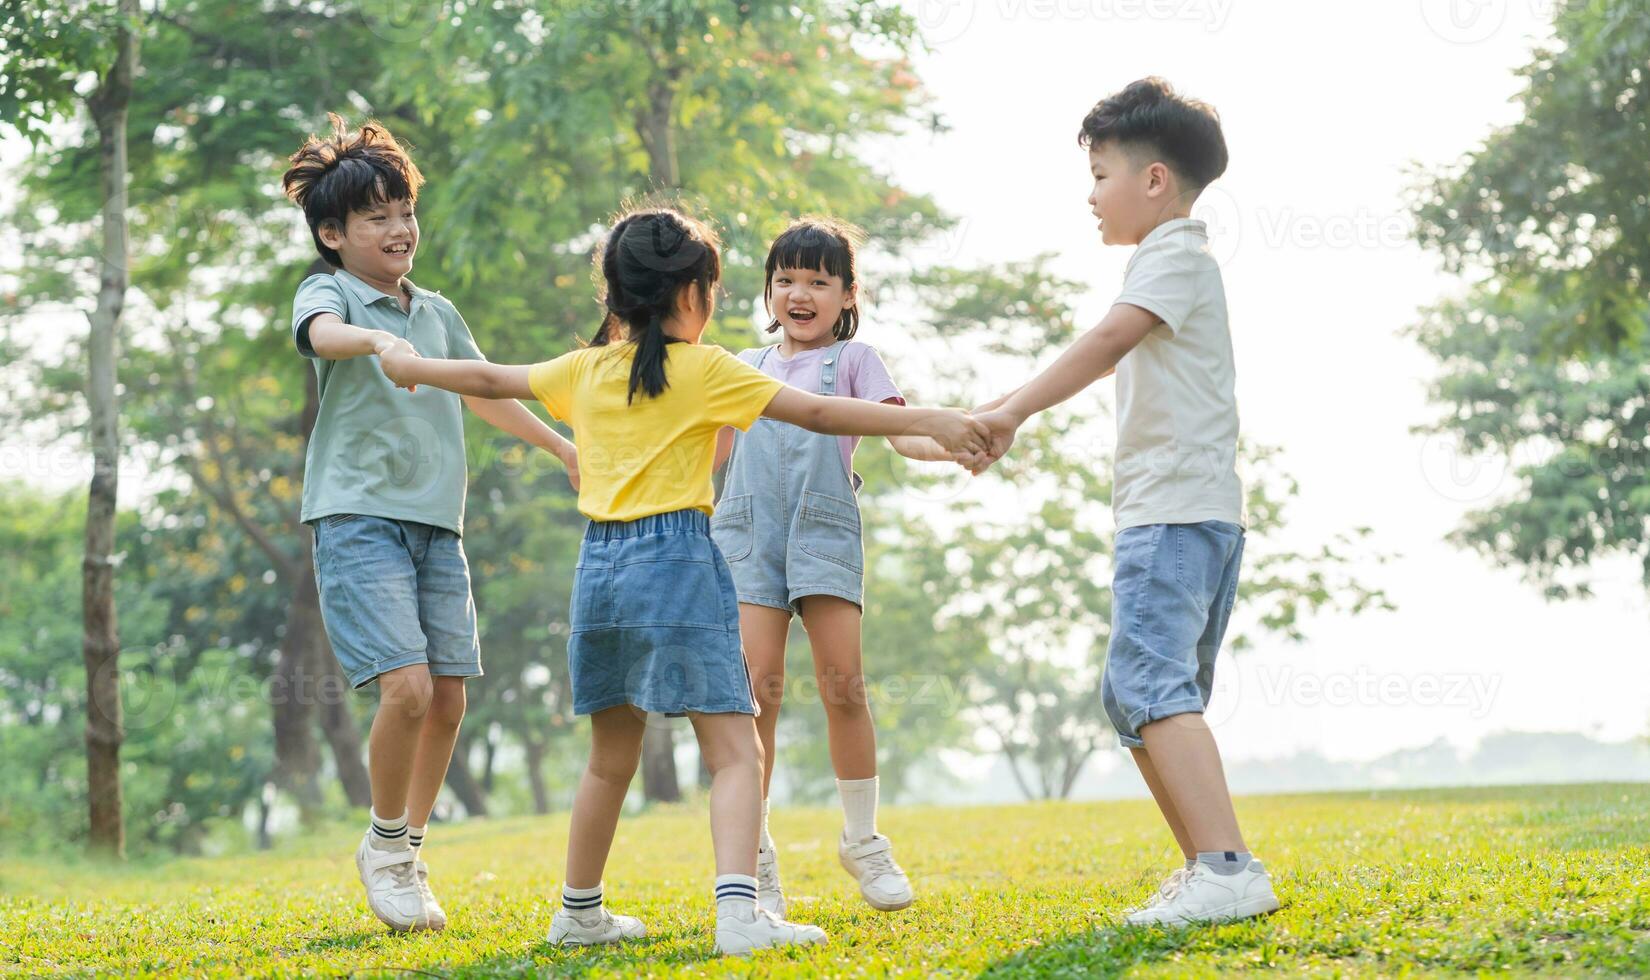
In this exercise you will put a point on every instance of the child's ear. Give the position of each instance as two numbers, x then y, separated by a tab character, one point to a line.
331	233
1157	179
852	297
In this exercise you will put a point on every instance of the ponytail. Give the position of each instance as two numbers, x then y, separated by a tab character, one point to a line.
648	259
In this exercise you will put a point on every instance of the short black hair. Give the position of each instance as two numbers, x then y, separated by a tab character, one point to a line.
1150	116
826	244
334	176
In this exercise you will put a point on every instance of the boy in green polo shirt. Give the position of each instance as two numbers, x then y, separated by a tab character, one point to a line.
384	483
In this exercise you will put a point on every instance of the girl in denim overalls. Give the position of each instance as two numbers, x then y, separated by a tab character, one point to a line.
788	524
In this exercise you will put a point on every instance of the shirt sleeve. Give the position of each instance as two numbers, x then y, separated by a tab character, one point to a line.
552	385
320	293
735	392
870	379
1163	281
461	344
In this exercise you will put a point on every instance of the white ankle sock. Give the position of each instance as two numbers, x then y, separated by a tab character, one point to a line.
736	894
415	836
765	842
389	834
859	808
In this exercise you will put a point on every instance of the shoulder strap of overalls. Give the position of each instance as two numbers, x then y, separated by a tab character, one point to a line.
762	355
827	370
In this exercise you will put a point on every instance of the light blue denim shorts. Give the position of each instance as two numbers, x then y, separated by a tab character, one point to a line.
779	557
655	620
393	594
1172	595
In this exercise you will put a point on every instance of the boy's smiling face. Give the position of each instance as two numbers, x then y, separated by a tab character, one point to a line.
378	242
1130	197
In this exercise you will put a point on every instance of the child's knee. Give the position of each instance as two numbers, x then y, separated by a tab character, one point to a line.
448	701
844	695
406	691
614	767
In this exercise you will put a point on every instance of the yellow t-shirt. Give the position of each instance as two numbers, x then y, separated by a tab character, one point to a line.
653	455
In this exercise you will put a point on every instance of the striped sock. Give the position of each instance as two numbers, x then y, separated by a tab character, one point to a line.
415	836
387	835
735	892
581	899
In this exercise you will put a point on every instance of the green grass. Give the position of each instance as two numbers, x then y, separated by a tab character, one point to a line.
1457	881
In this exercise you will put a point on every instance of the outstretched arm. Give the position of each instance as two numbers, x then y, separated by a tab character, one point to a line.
1092	357
479	379
834	416
510	415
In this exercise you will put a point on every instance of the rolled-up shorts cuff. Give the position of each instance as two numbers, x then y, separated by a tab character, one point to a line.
803	592
1141	717
763	600
362	676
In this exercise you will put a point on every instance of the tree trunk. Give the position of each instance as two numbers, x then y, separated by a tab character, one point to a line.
535	750
657	133
659	783
292	701
337	717
100	642
463	782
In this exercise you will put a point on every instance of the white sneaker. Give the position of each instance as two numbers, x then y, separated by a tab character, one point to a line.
881	882
737	935
1203	896
769	893
392	886
433	912
1170	885
593	927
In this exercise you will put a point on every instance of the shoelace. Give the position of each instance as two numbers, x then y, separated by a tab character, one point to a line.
1171	887
881	864
767	877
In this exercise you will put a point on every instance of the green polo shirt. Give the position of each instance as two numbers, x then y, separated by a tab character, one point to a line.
378	449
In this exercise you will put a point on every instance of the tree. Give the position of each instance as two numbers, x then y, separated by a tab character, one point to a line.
1542	357
62	44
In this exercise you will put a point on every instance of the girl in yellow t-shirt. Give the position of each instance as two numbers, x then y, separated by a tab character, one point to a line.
655	618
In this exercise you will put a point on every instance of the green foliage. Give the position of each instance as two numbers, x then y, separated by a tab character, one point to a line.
1543	357
1518	881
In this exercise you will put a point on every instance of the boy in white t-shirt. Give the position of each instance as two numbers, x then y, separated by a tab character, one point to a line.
1176	495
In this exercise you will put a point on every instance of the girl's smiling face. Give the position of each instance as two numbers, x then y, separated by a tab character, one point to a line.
808	303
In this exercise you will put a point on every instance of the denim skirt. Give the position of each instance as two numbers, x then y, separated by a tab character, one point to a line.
655	620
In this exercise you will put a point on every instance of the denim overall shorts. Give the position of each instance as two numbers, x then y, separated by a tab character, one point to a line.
788	519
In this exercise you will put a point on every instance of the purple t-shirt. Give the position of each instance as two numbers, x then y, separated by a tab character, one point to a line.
860	374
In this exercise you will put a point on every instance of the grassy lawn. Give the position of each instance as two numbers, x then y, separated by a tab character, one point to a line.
1519	880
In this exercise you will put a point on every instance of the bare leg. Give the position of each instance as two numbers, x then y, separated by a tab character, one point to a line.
615	748
763	631
833	633
404	697
734	757
1187	762
1165	805
435	747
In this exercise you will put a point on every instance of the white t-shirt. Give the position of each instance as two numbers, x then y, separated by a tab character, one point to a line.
1177	421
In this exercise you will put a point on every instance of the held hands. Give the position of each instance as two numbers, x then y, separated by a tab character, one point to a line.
1000	426
395	357
957	432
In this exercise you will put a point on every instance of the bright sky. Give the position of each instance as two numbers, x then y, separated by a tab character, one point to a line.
1326	107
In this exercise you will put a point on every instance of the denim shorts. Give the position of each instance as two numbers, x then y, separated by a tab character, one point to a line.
393	594
1172	594
655	620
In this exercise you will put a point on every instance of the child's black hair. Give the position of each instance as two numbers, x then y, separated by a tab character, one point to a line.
1149	116
825	244
335	176
649	257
